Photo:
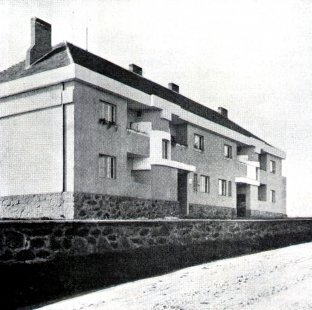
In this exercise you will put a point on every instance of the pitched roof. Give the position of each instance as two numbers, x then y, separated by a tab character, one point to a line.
62	54
57	58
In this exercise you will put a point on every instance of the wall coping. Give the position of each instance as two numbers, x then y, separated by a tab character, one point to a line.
10	221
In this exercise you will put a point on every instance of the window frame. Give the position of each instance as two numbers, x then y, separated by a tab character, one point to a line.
108	112
272	196
222	187
228	151
107	166
200	145
204	184
195	182
165	149
273	166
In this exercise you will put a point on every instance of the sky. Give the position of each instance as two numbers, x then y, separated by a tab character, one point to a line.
252	57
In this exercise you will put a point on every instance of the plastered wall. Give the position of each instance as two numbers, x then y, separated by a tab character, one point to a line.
31	143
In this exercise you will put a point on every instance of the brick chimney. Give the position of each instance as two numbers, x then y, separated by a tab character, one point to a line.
173	87
136	69
40	40
223	112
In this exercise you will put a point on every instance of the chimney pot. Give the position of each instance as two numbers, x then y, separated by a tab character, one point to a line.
173	87
223	112
40	40
136	69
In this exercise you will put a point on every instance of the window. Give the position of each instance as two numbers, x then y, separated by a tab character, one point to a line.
165	149
272	166
263	162
273	196
222	187
108	113
227	151
195	183
204	184
107	167
198	142
230	188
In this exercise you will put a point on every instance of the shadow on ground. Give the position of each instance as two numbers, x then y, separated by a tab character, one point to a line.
28	285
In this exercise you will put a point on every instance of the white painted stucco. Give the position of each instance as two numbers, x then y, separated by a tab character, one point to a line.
76	71
31	143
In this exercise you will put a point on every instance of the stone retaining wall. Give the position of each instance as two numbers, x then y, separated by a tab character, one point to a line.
44	260
46	240
101	207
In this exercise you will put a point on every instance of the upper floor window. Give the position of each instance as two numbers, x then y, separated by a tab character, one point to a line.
198	142
222	187
263	161
107	166
165	149
272	196
272	166
204	184
195	183
228	151
107	112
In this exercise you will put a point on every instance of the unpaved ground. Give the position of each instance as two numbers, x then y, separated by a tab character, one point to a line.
278	279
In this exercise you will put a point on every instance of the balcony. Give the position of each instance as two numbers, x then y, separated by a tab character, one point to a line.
180	153
251	171
138	143
246	159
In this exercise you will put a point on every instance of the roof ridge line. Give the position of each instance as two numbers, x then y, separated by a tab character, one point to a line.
70	56
45	55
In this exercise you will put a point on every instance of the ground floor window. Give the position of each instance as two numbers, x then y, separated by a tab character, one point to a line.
222	187
195	183
273	196
204	184
107	166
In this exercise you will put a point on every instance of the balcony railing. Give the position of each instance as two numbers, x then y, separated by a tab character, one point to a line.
138	143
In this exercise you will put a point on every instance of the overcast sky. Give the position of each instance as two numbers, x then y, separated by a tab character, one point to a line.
252	57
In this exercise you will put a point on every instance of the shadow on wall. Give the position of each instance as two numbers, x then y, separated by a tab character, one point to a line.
30	284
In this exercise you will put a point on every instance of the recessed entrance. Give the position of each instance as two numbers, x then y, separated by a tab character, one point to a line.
241	205
182	191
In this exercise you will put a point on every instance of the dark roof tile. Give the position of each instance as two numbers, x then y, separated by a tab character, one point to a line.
59	57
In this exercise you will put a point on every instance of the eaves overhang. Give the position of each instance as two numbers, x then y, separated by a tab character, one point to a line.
80	73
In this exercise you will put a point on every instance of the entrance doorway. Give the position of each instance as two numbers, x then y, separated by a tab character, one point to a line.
241	205
182	191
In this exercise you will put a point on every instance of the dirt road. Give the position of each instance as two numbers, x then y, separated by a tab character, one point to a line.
278	279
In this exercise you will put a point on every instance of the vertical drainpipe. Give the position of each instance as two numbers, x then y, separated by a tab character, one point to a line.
64	140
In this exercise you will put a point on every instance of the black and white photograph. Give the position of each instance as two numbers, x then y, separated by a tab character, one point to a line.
155	154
